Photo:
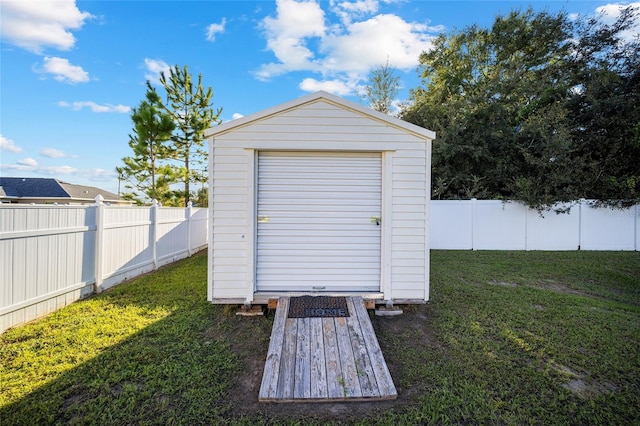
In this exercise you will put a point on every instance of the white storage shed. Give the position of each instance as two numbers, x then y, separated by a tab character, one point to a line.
319	195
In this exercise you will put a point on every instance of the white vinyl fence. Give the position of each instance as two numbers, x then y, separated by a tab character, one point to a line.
51	256
497	225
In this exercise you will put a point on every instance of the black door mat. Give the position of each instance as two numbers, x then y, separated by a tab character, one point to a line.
317	307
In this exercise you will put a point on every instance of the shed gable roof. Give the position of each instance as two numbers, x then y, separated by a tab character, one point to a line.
321	96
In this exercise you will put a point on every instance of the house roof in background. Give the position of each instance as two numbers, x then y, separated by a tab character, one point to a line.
49	188
81	191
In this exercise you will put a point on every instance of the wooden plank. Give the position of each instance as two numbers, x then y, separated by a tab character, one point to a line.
302	382
335	388
364	369
380	369
269	385
318	361
349	374
286	378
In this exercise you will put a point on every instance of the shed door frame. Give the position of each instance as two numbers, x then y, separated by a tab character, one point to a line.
385	232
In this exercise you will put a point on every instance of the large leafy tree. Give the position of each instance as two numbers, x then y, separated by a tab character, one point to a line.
190	106
506	102
146	171
487	94
605	109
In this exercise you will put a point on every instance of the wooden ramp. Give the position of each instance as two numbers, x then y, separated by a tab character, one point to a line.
325	359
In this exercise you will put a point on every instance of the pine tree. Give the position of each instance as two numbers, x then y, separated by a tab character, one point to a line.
191	108
144	172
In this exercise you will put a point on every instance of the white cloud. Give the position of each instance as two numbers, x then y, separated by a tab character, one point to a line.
287	35
18	167
154	68
337	87
609	13
9	145
99	175
345	52
78	105
58	170
29	165
56	153
64	71
349	10
372	42
28	162
34	25
214	29
236	115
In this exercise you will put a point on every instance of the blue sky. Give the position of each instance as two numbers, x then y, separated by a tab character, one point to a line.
70	71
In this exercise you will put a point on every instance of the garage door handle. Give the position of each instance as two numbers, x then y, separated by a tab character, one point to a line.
318	288
376	220
263	219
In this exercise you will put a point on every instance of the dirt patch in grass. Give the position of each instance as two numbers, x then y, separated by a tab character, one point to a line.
558	287
251	344
587	390
503	283
551	285
580	383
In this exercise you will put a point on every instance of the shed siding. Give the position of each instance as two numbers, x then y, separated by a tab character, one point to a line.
408	245
318	126
230	250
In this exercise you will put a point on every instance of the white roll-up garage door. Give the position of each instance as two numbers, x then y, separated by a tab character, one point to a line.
318	222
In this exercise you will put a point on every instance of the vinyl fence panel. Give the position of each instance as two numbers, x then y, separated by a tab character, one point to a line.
199	227
498	225
608	229
47	258
554	231
127	244
172	235
451	225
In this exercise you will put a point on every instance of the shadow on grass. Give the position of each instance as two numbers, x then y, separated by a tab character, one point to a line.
155	372
169	364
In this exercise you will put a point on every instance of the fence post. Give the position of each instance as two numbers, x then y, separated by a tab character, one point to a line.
636	223
580	204
188	213
526	227
153	213
97	267
473	223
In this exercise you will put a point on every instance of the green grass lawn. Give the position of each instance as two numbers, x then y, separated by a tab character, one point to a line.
507	338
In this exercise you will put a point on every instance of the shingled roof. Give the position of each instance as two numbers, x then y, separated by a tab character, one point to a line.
49	189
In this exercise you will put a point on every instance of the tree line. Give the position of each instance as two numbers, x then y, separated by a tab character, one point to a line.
539	107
